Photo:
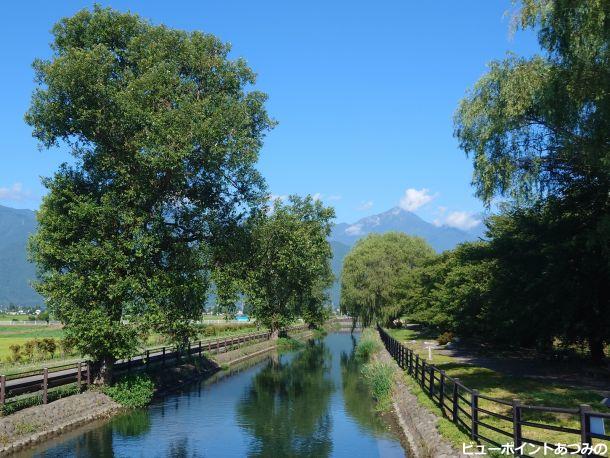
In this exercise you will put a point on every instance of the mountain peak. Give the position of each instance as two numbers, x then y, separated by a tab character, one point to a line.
400	220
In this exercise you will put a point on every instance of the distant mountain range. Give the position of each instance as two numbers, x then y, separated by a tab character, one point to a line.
441	238
16	272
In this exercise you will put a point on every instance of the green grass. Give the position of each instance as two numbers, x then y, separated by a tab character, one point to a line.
506	387
367	345
289	343
380	379
6	317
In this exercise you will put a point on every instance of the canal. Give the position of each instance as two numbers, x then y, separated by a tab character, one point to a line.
306	403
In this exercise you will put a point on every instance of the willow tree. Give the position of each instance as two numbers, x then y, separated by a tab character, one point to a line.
288	265
538	129
374	272
165	134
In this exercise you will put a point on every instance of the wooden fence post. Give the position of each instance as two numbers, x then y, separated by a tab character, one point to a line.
431	388
416	366
2	389
88	373
517	440
163	357
45	384
78	376
423	374
456	381
199	349
474	414
147	358
410	361
585	430
441	395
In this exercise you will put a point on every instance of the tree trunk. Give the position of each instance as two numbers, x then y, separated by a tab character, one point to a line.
275	333
102	371
596	348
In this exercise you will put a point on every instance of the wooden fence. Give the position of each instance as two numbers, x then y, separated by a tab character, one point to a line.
40	381
462	405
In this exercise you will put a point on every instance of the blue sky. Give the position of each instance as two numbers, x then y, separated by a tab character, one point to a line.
364	93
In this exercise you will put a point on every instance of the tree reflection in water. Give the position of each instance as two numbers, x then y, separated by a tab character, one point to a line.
356	395
286	409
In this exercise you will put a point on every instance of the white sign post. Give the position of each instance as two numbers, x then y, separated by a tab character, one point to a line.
430	346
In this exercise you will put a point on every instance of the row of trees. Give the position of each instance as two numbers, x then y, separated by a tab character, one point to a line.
538	130
162	196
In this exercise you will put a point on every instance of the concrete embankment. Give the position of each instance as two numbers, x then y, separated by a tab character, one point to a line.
36	424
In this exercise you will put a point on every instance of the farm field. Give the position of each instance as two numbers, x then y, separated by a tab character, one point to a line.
19	334
10	335
7	317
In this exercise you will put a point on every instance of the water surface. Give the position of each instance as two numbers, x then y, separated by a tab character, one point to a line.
307	403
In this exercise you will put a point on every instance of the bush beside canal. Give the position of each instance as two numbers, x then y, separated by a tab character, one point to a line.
134	390
288	343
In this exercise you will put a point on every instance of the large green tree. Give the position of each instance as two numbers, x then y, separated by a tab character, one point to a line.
451	292
538	129
165	134
288	265
372	274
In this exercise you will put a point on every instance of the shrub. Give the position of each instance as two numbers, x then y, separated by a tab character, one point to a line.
47	347
135	390
15	356
66	346
379	377
445	338
288	343
29	348
208	331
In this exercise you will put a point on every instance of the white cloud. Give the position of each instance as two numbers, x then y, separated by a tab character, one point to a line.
462	220
329	198
14	192
355	229
415	198
365	205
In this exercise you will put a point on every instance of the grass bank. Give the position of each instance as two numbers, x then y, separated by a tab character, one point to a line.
378	375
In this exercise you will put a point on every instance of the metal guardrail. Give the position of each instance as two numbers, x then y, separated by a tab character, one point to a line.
461	405
41	380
